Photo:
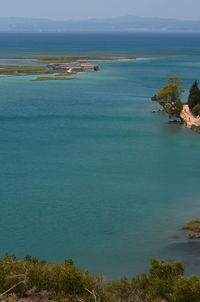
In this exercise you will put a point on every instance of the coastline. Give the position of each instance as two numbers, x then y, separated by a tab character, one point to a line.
64	66
190	121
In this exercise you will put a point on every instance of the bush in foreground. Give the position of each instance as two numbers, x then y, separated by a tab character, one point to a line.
30	280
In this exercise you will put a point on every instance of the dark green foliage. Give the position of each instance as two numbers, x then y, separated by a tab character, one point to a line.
193	100
187	289
39	79
194	96
194	87
162	277
31	259
65	282
69	262
173	109
196	110
60	280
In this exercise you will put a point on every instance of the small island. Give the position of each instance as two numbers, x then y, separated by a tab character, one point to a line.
187	113
60	67
194	227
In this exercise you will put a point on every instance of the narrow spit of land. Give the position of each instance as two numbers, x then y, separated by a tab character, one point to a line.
22	70
70	59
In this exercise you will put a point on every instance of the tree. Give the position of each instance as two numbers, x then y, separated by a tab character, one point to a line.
174	109
162	277
194	95
196	110
186	289
169	97
170	92
69	262
31	259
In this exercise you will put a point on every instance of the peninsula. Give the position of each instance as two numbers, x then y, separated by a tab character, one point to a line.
60	67
187	113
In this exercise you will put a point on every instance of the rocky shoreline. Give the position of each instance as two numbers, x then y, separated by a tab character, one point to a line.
190	121
194	228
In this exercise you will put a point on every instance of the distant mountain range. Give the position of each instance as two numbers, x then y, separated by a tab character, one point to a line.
119	24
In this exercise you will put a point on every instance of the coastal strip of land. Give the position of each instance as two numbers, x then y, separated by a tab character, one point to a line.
68	59
38	79
187	113
56	66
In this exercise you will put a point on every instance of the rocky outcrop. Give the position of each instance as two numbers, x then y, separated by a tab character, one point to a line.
193	235
194	227
189	119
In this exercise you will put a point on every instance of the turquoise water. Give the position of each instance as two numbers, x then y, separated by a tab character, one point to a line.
86	170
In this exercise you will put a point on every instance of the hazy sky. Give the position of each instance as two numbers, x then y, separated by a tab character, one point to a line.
83	9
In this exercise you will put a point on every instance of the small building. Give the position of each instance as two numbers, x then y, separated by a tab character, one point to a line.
90	67
70	67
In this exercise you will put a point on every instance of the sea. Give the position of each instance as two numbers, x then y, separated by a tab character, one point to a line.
87	171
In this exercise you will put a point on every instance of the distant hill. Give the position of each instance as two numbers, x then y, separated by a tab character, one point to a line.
119	24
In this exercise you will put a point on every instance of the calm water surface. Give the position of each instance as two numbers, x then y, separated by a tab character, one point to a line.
86	170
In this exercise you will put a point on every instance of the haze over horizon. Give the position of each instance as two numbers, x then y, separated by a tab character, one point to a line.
76	10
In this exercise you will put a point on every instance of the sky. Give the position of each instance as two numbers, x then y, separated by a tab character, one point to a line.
86	9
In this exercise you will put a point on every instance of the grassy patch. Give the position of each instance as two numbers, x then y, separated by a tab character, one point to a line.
66	59
14	70
53	79
192	226
19	70
64	73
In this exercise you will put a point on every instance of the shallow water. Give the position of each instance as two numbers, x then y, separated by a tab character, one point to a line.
87	171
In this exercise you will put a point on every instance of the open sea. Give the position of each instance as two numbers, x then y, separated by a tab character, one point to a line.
87	171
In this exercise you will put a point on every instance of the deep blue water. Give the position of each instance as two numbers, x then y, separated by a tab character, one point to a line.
86	170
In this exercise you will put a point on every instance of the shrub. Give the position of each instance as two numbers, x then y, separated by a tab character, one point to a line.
196	110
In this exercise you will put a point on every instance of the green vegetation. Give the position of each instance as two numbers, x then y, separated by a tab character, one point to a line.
193	225
196	110
12	70
170	92
66	73
194	98
36	281
174	108
67	59
53	79
75	59
169	97
15	70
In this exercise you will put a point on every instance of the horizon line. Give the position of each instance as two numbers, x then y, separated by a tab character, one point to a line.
100	18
